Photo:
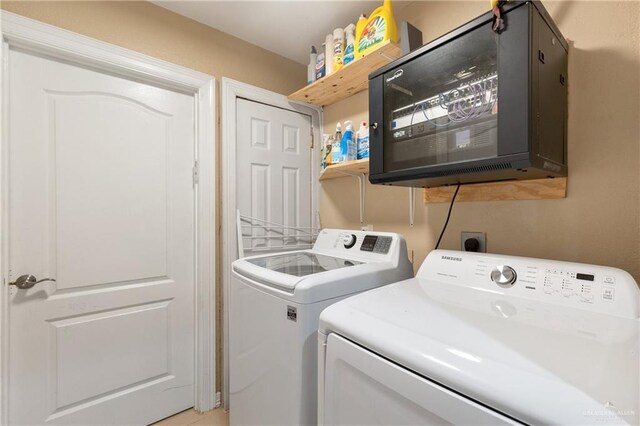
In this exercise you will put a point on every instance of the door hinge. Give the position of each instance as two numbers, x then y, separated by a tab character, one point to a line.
312	132
196	173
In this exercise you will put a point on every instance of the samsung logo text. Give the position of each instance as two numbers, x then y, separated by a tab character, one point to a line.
455	259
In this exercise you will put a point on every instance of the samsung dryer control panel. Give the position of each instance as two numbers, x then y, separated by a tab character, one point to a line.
592	287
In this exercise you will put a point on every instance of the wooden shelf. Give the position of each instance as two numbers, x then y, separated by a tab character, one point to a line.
348	80
537	189
345	169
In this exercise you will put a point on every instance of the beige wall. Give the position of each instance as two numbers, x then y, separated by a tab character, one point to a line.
152	30
599	221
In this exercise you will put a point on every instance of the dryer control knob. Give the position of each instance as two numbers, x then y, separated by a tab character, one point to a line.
349	240
504	276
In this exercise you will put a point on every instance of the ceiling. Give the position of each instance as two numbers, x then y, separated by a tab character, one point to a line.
288	28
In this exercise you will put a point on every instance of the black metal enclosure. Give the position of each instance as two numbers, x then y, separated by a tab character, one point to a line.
474	105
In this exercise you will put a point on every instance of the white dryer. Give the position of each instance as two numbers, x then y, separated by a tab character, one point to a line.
485	339
275	303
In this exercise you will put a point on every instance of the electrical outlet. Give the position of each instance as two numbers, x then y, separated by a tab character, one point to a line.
481	237
366	228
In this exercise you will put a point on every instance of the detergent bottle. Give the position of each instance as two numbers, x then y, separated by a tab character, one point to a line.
327	144
380	27
347	144
311	69
338	48
362	21
349	49
320	64
362	141
336	152
328	54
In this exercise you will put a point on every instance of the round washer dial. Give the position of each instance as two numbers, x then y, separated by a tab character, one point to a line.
504	276
349	240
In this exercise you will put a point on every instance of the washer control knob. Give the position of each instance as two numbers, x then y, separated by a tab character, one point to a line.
504	276
349	240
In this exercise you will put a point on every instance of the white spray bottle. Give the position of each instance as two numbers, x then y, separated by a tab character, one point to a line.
349	50
347	144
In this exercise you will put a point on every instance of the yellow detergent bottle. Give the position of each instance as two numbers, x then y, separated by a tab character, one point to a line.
379	28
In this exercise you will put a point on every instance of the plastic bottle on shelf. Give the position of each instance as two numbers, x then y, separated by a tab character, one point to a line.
311	69
380	27
328	54
362	141
349	52
320	64
336	153
338	48
362	21
327	142
347	144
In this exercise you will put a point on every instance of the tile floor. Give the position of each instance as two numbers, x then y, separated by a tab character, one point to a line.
217	417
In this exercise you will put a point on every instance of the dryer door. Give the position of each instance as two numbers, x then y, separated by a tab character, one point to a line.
361	387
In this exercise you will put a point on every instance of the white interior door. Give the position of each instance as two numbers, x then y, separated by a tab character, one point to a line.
102	200
273	174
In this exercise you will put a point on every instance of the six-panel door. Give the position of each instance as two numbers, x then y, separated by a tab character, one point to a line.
273	182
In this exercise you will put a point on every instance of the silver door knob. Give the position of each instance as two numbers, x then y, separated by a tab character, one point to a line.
27	281
504	276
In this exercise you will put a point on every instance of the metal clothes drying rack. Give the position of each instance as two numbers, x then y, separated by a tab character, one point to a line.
291	237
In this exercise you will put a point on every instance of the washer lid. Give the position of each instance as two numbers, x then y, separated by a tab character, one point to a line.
300	264
537	362
287	270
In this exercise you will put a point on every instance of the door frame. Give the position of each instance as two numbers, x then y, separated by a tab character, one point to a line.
39	38
231	91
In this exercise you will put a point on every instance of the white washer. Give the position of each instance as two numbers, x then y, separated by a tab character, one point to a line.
485	339
275	303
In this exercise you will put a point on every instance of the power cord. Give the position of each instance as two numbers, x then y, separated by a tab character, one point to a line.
444	228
